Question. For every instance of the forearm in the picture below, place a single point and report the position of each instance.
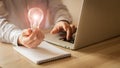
(9, 33)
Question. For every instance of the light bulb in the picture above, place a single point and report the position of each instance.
(35, 16)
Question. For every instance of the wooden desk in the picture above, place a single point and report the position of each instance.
(102, 55)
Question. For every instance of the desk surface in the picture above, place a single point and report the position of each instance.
(102, 55)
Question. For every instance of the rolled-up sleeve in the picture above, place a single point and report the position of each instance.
(58, 11)
(9, 33)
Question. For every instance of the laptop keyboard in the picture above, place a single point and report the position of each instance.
(63, 37)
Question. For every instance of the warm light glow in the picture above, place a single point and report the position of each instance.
(35, 16)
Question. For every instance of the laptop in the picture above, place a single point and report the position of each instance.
(99, 20)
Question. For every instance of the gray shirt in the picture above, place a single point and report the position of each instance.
(13, 16)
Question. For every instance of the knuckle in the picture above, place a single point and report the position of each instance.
(72, 26)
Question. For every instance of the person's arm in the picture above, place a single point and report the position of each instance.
(8, 32)
(60, 15)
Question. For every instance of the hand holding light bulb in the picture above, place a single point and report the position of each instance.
(31, 38)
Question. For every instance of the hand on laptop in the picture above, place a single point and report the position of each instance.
(31, 38)
(70, 29)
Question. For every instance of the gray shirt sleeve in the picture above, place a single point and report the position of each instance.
(9, 33)
(58, 11)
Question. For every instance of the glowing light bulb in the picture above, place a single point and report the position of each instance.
(35, 16)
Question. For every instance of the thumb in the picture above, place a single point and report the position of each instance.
(27, 32)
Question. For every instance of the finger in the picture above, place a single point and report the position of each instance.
(66, 27)
(27, 41)
(30, 43)
(40, 35)
(69, 33)
(73, 28)
(24, 43)
(33, 34)
(34, 44)
(55, 30)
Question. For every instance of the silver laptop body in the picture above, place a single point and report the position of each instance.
(99, 20)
